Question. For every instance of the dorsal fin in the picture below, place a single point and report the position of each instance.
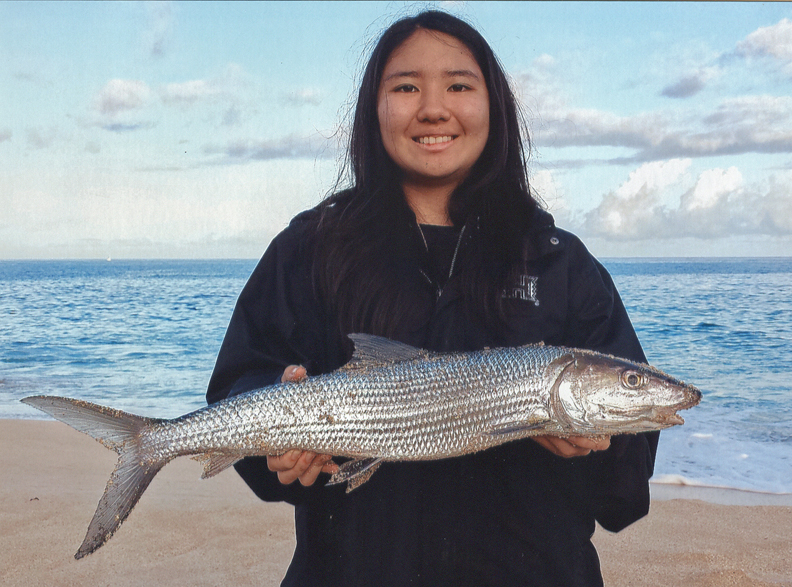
(373, 351)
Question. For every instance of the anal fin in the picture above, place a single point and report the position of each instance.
(215, 462)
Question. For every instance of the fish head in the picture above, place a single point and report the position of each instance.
(600, 394)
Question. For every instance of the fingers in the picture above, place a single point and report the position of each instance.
(592, 444)
(559, 446)
(573, 446)
(294, 373)
(304, 466)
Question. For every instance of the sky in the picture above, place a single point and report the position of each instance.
(198, 130)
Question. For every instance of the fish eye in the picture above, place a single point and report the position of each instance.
(632, 379)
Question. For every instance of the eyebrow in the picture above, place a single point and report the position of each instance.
(449, 73)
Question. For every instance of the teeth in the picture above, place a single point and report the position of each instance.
(434, 140)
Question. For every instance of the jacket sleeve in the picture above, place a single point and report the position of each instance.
(275, 323)
(616, 480)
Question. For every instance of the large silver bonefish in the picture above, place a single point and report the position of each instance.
(391, 402)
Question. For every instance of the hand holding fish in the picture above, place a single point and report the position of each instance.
(574, 446)
(303, 465)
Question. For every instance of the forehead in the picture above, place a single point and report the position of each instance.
(427, 50)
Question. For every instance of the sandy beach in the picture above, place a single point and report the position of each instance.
(188, 531)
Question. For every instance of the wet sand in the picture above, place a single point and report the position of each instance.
(188, 531)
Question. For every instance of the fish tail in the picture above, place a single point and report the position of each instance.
(121, 432)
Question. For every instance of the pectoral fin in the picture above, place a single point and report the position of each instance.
(508, 428)
(355, 473)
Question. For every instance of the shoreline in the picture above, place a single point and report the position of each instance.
(188, 531)
(661, 491)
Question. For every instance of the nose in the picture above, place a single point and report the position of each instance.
(433, 107)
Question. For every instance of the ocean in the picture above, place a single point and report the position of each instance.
(143, 336)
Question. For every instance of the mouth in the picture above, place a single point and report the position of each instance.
(667, 418)
(434, 140)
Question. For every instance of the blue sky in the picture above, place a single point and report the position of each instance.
(145, 129)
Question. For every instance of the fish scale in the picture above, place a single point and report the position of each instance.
(391, 402)
(420, 401)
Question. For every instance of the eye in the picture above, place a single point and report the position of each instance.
(458, 88)
(405, 88)
(632, 379)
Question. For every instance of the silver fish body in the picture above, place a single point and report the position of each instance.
(391, 402)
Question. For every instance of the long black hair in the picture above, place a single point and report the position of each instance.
(360, 232)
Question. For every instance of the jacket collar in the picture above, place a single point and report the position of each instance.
(542, 238)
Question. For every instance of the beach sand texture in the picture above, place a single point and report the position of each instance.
(187, 531)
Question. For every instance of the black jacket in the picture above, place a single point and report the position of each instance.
(512, 515)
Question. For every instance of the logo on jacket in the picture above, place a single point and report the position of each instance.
(523, 289)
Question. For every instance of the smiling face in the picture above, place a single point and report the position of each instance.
(433, 110)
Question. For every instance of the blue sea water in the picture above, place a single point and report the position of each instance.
(143, 336)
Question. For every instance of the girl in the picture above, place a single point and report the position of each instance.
(437, 243)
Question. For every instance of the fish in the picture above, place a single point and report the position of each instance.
(390, 402)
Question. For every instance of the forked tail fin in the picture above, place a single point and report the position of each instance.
(121, 432)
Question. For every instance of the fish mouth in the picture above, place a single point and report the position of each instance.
(655, 418)
(668, 416)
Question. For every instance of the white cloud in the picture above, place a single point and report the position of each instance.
(732, 125)
(190, 92)
(159, 27)
(637, 209)
(40, 138)
(654, 176)
(213, 212)
(754, 113)
(691, 84)
(120, 127)
(121, 95)
(120, 105)
(302, 97)
(717, 205)
(289, 147)
(538, 86)
(544, 186)
(230, 96)
(750, 124)
(232, 116)
(775, 41)
(624, 218)
(711, 186)
(232, 84)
